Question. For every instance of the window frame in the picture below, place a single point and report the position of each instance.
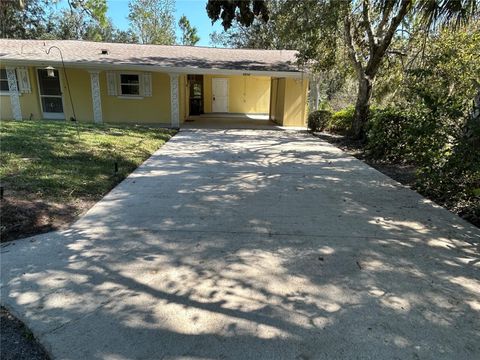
(50, 115)
(140, 85)
(7, 92)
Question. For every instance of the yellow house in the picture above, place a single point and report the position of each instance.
(147, 84)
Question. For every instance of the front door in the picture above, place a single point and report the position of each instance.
(220, 95)
(196, 94)
(50, 95)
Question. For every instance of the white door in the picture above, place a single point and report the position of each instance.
(219, 95)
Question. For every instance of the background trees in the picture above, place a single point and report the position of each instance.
(39, 19)
(153, 21)
(23, 22)
(367, 29)
(189, 34)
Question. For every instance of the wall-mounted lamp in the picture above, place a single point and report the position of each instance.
(50, 71)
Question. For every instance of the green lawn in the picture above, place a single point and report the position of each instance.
(48, 161)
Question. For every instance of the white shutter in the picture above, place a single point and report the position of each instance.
(23, 80)
(147, 84)
(111, 83)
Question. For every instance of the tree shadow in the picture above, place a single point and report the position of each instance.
(249, 244)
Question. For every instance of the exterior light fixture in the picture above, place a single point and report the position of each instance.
(50, 71)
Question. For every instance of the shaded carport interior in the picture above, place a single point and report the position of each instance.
(287, 106)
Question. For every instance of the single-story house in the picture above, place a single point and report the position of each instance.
(147, 84)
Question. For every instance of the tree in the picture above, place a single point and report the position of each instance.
(152, 21)
(31, 19)
(23, 22)
(189, 33)
(244, 12)
(368, 28)
(76, 25)
(273, 34)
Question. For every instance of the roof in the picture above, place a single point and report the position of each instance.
(162, 56)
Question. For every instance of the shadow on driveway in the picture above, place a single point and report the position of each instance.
(243, 244)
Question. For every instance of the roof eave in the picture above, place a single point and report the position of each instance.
(92, 65)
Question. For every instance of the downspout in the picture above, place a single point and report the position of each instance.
(304, 100)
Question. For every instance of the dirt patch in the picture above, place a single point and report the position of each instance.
(22, 217)
(17, 341)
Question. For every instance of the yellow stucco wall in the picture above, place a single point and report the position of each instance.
(277, 100)
(295, 109)
(288, 102)
(147, 110)
(154, 109)
(5, 108)
(284, 98)
(29, 102)
(80, 88)
(246, 94)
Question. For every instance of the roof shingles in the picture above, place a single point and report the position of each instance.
(75, 51)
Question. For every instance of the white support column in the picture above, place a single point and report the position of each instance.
(96, 98)
(174, 103)
(14, 95)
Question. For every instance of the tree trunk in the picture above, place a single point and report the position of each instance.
(362, 106)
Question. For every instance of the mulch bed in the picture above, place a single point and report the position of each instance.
(22, 217)
(17, 341)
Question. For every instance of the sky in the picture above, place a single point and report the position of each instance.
(194, 10)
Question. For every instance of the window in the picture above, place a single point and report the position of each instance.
(3, 81)
(130, 84)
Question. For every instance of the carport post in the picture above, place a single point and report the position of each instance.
(96, 96)
(174, 104)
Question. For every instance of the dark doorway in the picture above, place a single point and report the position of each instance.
(196, 94)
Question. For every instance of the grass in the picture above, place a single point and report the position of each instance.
(47, 161)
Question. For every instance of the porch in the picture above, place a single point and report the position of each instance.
(230, 121)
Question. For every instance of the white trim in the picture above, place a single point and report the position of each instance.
(119, 83)
(166, 69)
(49, 115)
(23, 80)
(7, 93)
(130, 97)
(111, 83)
(147, 84)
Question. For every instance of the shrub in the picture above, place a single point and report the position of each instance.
(317, 120)
(454, 180)
(341, 121)
(389, 134)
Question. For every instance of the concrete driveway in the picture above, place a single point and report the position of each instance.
(250, 244)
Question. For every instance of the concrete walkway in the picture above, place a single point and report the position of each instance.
(243, 244)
